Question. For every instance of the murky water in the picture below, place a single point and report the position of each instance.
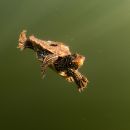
(100, 30)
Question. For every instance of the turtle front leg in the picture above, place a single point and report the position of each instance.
(47, 61)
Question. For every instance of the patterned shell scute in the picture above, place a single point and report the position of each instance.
(57, 48)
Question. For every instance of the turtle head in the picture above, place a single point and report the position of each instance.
(24, 42)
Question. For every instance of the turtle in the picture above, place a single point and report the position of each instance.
(57, 56)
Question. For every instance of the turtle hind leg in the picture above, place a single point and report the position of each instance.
(68, 78)
(79, 79)
(82, 83)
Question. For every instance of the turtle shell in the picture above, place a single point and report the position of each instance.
(32, 42)
(57, 48)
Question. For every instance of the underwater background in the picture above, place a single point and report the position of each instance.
(97, 29)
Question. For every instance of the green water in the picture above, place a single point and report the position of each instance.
(97, 29)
